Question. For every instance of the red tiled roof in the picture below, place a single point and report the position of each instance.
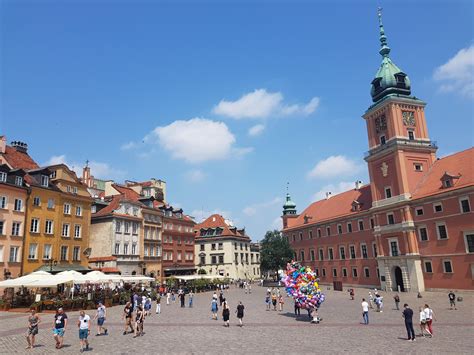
(113, 205)
(459, 165)
(337, 206)
(214, 221)
(19, 160)
(127, 192)
(103, 258)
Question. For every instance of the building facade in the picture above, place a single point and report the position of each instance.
(13, 197)
(224, 250)
(178, 242)
(412, 227)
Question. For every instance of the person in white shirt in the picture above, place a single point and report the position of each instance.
(365, 311)
(423, 328)
(429, 315)
(84, 324)
(371, 300)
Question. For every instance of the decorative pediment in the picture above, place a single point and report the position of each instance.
(449, 180)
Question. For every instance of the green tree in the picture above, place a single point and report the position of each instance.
(275, 252)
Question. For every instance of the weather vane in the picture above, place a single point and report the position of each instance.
(379, 11)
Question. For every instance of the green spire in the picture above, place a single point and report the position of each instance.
(289, 207)
(385, 50)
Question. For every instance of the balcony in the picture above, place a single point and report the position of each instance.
(391, 200)
(398, 227)
(401, 143)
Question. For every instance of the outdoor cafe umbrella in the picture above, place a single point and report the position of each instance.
(26, 280)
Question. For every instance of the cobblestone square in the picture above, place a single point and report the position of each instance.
(191, 330)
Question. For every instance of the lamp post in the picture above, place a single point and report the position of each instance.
(51, 263)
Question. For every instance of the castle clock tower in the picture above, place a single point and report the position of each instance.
(400, 149)
(400, 153)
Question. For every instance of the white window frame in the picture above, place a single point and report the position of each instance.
(3, 202)
(2, 228)
(366, 251)
(78, 210)
(3, 176)
(424, 266)
(61, 253)
(334, 272)
(344, 272)
(355, 252)
(16, 254)
(419, 233)
(68, 229)
(35, 222)
(356, 271)
(18, 202)
(49, 223)
(437, 230)
(388, 189)
(50, 203)
(321, 254)
(464, 198)
(16, 228)
(347, 227)
(45, 256)
(300, 234)
(418, 170)
(329, 253)
(444, 267)
(44, 180)
(438, 204)
(74, 248)
(310, 234)
(345, 255)
(419, 209)
(390, 240)
(18, 180)
(67, 208)
(465, 234)
(408, 134)
(375, 249)
(384, 138)
(368, 270)
(33, 256)
(328, 231)
(358, 225)
(77, 235)
(388, 221)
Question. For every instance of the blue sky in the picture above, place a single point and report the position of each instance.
(226, 101)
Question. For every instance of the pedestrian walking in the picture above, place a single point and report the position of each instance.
(371, 300)
(135, 301)
(214, 308)
(274, 301)
(452, 300)
(225, 313)
(168, 297)
(314, 316)
(139, 319)
(240, 313)
(268, 301)
(429, 315)
(423, 328)
(59, 327)
(352, 294)
(408, 316)
(365, 311)
(191, 297)
(182, 298)
(221, 297)
(281, 302)
(147, 307)
(84, 325)
(173, 297)
(127, 316)
(158, 304)
(100, 315)
(297, 309)
(396, 298)
(33, 322)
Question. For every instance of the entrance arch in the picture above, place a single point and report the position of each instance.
(398, 279)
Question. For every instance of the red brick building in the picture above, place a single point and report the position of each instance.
(177, 243)
(412, 227)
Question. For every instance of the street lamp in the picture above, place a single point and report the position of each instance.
(51, 263)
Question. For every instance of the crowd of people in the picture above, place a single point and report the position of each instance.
(136, 311)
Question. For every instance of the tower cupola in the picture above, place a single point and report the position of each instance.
(389, 79)
(289, 208)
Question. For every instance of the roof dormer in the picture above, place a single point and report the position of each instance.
(449, 180)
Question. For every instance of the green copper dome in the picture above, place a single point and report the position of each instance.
(389, 79)
(289, 207)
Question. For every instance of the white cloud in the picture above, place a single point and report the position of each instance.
(98, 169)
(334, 189)
(457, 74)
(256, 130)
(252, 210)
(195, 141)
(334, 166)
(195, 175)
(261, 104)
(128, 146)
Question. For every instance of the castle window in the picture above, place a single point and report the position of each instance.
(349, 227)
(428, 267)
(411, 135)
(418, 167)
(382, 140)
(464, 203)
(390, 218)
(442, 230)
(438, 207)
(447, 266)
(423, 234)
(388, 192)
(310, 234)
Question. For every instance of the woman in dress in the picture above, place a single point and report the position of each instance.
(33, 321)
(240, 312)
(225, 313)
(139, 318)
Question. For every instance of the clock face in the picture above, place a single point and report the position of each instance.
(380, 124)
(408, 118)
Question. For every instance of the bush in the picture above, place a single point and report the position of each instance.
(202, 272)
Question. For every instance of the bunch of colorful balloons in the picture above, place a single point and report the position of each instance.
(302, 284)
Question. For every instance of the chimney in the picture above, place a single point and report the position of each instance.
(328, 195)
(20, 146)
(3, 144)
(358, 184)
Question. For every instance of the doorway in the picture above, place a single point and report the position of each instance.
(399, 279)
